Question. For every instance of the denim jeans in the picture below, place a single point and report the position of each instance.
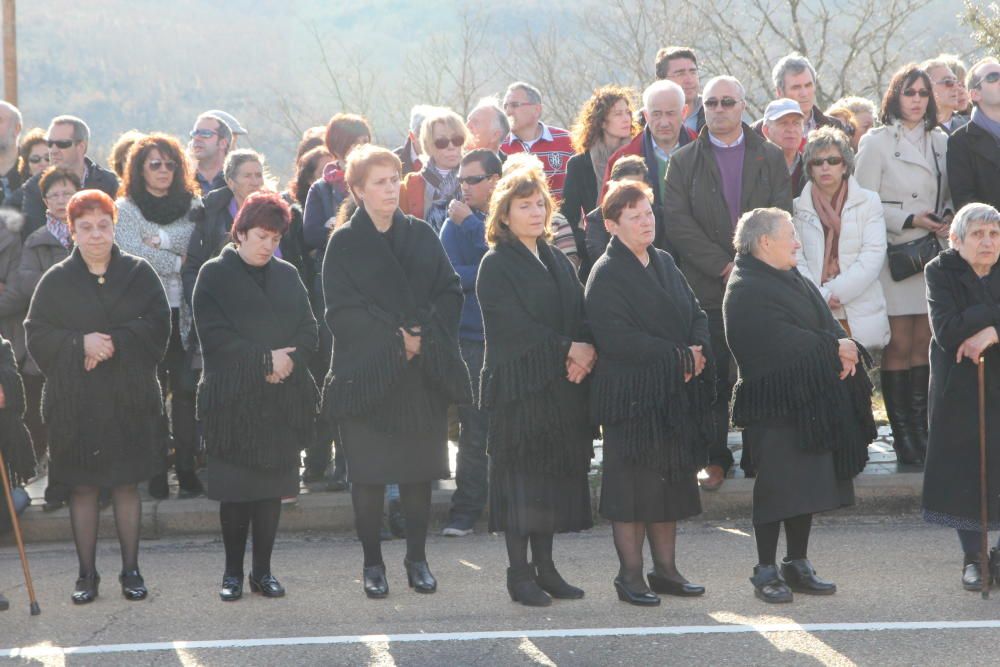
(472, 466)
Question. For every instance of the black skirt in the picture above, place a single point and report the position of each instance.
(231, 483)
(138, 462)
(522, 503)
(791, 481)
(634, 494)
(374, 457)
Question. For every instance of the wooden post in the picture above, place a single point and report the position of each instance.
(10, 51)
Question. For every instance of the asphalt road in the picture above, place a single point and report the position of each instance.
(888, 571)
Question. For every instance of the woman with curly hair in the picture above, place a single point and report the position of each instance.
(605, 123)
(33, 154)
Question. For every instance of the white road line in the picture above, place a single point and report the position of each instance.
(43, 650)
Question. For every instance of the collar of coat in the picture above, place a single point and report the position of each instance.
(528, 270)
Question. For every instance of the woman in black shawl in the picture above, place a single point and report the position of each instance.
(650, 394)
(393, 304)
(257, 399)
(97, 327)
(803, 399)
(534, 384)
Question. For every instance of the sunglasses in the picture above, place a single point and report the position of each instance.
(910, 92)
(156, 165)
(832, 161)
(947, 82)
(992, 77)
(60, 143)
(457, 141)
(35, 159)
(204, 133)
(472, 180)
(726, 102)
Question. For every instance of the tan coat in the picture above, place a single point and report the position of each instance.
(908, 184)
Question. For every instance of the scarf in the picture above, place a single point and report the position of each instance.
(334, 176)
(829, 215)
(442, 190)
(59, 229)
(163, 210)
(985, 122)
(601, 152)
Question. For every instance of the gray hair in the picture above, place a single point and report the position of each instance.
(417, 115)
(972, 213)
(500, 121)
(827, 137)
(724, 78)
(793, 63)
(755, 225)
(857, 105)
(14, 111)
(534, 95)
(237, 158)
(80, 130)
(224, 132)
(662, 86)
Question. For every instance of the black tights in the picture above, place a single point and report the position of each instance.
(629, 540)
(796, 536)
(236, 519)
(84, 516)
(517, 548)
(369, 501)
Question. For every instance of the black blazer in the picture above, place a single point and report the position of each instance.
(973, 166)
(579, 196)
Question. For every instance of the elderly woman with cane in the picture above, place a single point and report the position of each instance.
(963, 293)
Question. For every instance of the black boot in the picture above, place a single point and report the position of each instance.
(158, 487)
(920, 378)
(801, 578)
(549, 580)
(896, 393)
(768, 584)
(188, 484)
(522, 587)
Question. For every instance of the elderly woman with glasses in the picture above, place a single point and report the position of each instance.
(426, 194)
(963, 290)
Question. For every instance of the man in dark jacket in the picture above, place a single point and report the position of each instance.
(710, 183)
(795, 78)
(68, 138)
(974, 149)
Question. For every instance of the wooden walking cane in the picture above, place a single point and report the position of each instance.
(35, 609)
(984, 547)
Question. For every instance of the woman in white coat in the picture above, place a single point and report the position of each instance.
(842, 234)
(904, 162)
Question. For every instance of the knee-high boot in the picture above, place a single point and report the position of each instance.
(896, 391)
(920, 377)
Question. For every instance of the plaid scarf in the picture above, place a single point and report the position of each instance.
(60, 230)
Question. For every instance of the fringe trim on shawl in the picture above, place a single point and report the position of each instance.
(514, 379)
(15, 441)
(534, 435)
(444, 367)
(352, 396)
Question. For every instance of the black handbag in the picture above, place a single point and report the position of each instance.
(909, 259)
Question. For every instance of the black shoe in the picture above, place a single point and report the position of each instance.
(188, 484)
(801, 578)
(646, 598)
(419, 576)
(133, 585)
(920, 377)
(397, 523)
(4, 605)
(86, 589)
(972, 578)
(266, 585)
(232, 588)
(768, 584)
(661, 584)
(338, 480)
(374, 581)
(522, 587)
(158, 487)
(897, 394)
(550, 581)
(53, 505)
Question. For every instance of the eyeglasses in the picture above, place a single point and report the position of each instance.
(473, 180)
(457, 141)
(947, 82)
(59, 196)
(204, 133)
(726, 102)
(910, 92)
(35, 159)
(156, 165)
(508, 106)
(833, 161)
(61, 143)
(992, 77)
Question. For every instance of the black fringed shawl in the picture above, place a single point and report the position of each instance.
(132, 307)
(644, 327)
(784, 339)
(373, 285)
(539, 420)
(248, 421)
(15, 443)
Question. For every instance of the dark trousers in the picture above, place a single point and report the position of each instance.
(718, 451)
(54, 493)
(320, 450)
(176, 384)
(472, 466)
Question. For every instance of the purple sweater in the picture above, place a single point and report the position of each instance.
(730, 161)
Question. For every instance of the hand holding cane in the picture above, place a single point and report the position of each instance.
(984, 555)
(35, 609)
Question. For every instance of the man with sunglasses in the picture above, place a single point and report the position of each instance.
(945, 86)
(528, 134)
(68, 138)
(795, 78)
(974, 149)
(211, 140)
(727, 171)
(463, 236)
(10, 141)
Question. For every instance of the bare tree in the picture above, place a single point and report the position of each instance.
(985, 24)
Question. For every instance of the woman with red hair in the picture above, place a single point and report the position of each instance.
(97, 327)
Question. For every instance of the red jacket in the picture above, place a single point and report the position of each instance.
(554, 148)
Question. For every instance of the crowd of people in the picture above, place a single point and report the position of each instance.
(662, 270)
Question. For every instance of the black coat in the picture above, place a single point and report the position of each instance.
(212, 225)
(960, 306)
(15, 442)
(121, 394)
(580, 196)
(532, 312)
(643, 325)
(973, 166)
(248, 421)
(293, 244)
(98, 178)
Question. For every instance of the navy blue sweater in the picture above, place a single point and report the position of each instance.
(466, 245)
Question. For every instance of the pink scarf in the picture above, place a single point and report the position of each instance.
(829, 216)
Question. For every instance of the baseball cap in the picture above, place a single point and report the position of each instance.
(777, 109)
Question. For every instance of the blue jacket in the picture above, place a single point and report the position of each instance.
(466, 245)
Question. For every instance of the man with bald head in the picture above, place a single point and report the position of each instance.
(711, 182)
(10, 139)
